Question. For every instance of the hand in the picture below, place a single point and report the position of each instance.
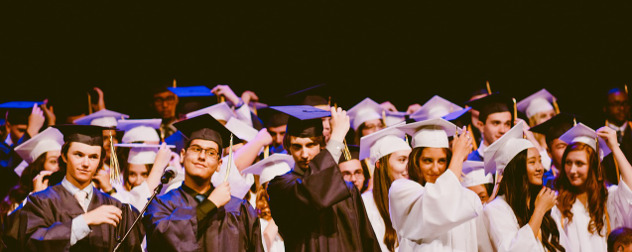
(388, 106)
(224, 90)
(39, 182)
(162, 157)
(221, 195)
(413, 108)
(36, 121)
(545, 200)
(461, 145)
(100, 100)
(102, 179)
(107, 214)
(339, 124)
(175, 161)
(248, 96)
(264, 137)
(48, 113)
(610, 135)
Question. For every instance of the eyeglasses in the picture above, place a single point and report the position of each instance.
(197, 150)
(168, 99)
(347, 175)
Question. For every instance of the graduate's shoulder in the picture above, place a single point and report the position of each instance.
(237, 205)
(50, 193)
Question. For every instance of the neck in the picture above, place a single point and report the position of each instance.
(198, 186)
(582, 197)
(76, 183)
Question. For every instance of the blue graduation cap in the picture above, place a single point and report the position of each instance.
(20, 104)
(304, 121)
(456, 114)
(18, 111)
(192, 91)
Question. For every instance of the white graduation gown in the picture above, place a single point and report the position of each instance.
(375, 218)
(437, 217)
(575, 233)
(504, 231)
(277, 245)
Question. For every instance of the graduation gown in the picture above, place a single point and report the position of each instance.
(504, 231)
(437, 217)
(46, 221)
(277, 245)
(575, 235)
(316, 210)
(172, 225)
(376, 219)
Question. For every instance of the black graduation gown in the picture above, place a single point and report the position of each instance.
(626, 148)
(172, 225)
(47, 220)
(317, 210)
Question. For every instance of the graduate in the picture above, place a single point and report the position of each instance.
(494, 119)
(432, 211)
(475, 179)
(73, 215)
(388, 152)
(353, 169)
(519, 218)
(616, 110)
(315, 209)
(366, 118)
(276, 123)
(198, 216)
(586, 210)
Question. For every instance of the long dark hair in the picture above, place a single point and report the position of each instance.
(414, 171)
(594, 188)
(381, 184)
(521, 195)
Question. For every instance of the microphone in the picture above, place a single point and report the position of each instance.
(167, 176)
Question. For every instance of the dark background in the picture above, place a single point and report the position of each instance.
(404, 52)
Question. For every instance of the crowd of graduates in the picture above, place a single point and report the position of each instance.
(215, 171)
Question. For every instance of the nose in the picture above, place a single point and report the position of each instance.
(304, 153)
(85, 162)
(278, 139)
(202, 155)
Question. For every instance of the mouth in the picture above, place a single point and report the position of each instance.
(199, 165)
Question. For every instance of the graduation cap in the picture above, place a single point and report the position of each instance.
(540, 101)
(204, 127)
(394, 117)
(305, 121)
(554, 127)
(498, 154)
(474, 174)
(381, 143)
(272, 118)
(436, 107)
(494, 103)
(313, 96)
(104, 118)
(456, 115)
(584, 134)
(241, 130)
(364, 111)
(432, 133)
(220, 111)
(48, 140)
(139, 130)
(192, 91)
(267, 169)
(17, 112)
(86, 134)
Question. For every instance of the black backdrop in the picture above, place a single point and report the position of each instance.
(404, 52)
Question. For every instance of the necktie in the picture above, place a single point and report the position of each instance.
(81, 198)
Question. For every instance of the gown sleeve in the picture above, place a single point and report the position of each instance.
(425, 213)
(504, 231)
(620, 205)
(42, 233)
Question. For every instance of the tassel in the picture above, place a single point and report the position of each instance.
(230, 158)
(115, 172)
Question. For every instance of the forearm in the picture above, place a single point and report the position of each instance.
(456, 164)
(246, 155)
(536, 221)
(153, 180)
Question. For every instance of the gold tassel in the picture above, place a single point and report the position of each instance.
(266, 151)
(625, 86)
(515, 110)
(230, 158)
(489, 89)
(221, 99)
(174, 83)
(555, 106)
(115, 172)
(474, 144)
(89, 103)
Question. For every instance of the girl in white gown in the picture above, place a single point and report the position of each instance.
(432, 211)
(587, 211)
(519, 218)
(389, 152)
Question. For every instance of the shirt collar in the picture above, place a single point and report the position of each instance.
(481, 148)
(8, 140)
(193, 193)
(618, 128)
(72, 189)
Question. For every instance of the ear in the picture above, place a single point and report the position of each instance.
(378, 164)
(480, 124)
(63, 157)
(182, 152)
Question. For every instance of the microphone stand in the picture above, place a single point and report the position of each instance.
(140, 215)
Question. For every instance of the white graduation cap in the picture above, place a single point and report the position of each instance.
(366, 110)
(436, 107)
(48, 140)
(538, 102)
(104, 118)
(584, 134)
(432, 133)
(381, 143)
(267, 169)
(474, 174)
(497, 155)
(240, 129)
(220, 111)
(140, 130)
(141, 153)
(393, 118)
